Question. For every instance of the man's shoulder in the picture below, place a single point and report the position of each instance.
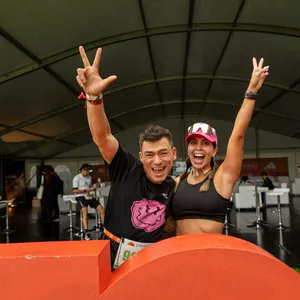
(134, 176)
(131, 157)
(136, 168)
(170, 180)
(77, 177)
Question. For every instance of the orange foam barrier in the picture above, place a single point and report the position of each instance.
(54, 270)
(186, 267)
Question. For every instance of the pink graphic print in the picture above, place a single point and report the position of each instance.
(148, 215)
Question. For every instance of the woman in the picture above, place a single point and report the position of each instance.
(203, 194)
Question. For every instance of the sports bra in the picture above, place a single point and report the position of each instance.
(189, 203)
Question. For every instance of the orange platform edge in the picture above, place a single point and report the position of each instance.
(186, 267)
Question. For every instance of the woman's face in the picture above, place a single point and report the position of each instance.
(200, 152)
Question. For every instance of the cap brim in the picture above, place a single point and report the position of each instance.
(200, 134)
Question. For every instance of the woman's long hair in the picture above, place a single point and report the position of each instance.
(205, 186)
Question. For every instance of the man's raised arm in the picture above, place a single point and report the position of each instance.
(93, 85)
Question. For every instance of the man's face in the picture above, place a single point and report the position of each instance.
(157, 158)
(85, 172)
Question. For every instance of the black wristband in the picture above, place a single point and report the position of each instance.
(251, 95)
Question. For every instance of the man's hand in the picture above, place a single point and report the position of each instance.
(259, 75)
(88, 77)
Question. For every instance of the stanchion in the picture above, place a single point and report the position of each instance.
(279, 192)
(259, 223)
(71, 199)
(81, 232)
(7, 230)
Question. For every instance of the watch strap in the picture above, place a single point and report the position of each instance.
(251, 95)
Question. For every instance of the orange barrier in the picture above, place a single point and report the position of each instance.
(186, 267)
(54, 270)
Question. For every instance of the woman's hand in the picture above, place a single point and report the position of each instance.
(259, 75)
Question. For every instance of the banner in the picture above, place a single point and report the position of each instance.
(256, 166)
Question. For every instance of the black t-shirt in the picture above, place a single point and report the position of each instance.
(52, 186)
(268, 183)
(137, 208)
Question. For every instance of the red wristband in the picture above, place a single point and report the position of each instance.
(83, 96)
(95, 102)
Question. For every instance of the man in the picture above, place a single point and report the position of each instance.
(59, 187)
(82, 185)
(141, 189)
(52, 188)
(267, 181)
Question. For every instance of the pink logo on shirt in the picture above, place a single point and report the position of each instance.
(148, 215)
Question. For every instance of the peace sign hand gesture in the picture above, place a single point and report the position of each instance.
(259, 75)
(88, 77)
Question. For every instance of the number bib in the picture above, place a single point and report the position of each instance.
(126, 249)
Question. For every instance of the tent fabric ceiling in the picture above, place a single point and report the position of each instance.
(173, 58)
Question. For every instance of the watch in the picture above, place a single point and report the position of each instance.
(251, 95)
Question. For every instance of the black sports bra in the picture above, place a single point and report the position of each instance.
(189, 203)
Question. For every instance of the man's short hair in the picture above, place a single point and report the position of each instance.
(264, 174)
(85, 167)
(154, 133)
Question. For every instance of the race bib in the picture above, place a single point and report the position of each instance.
(126, 249)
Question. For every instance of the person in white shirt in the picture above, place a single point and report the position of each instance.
(82, 186)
